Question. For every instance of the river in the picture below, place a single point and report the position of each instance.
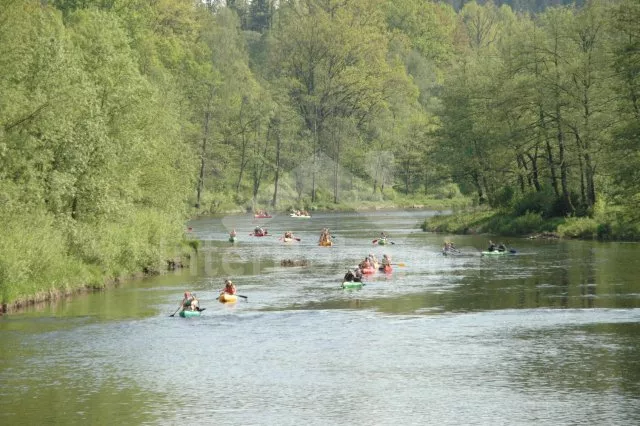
(550, 335)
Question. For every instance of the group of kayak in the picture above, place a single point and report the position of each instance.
(190, 305)
(369, 266)
(262, 214)
(300, 213)
(493, 249)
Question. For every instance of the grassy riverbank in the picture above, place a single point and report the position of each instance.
(607, 224)
(44, 257)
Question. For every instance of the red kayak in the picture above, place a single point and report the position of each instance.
(370, 270)
(264, 234)
(387, 269)
(262, 216)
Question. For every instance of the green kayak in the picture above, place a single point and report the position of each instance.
(382, 241)
(352, 284)
(498, 252)
(232, 239)
(189, 314)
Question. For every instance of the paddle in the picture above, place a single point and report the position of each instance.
(402, 265)
(173, 314)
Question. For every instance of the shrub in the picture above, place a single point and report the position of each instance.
(543, 202)
(579, 227)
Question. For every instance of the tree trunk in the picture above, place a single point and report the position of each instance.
(336, 170)
(535, 173)
(243, 150)
(522, 165)
(203, 154)
(564, 168)
(277, 177)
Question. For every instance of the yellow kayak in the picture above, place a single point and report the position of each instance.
(227, 298)
(326, 243)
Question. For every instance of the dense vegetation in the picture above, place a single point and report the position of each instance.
(118, 117)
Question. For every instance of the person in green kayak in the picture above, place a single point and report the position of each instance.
(233, 233)
(492, 246)
(189, 302)
(355, 276)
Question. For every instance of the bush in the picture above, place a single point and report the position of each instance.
(543, 202)
(446, 191)
(579, 227)
(34, 259)
(529, 223)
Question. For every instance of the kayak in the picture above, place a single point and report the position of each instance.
(352, 284)
(227, 298)
(288, 240)
(326, 243)
(262, 216)
(232, 239)
(264, 234)
(299, 215)
(370, 270)
(382, 241)
(497, 253)
(189, 314)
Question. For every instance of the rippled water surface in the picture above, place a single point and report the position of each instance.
(549, 335)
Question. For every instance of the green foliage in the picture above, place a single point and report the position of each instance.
(580, 227)
(470, 222)
(34, 260)
(529, 223)
(115, 116)
(543, 203)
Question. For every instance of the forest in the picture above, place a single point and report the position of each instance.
(119, 119)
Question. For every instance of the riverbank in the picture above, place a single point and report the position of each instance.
(54, 294)
(487, 221)
(391, 202)
(46, 257)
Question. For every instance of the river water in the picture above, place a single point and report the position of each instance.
(550, 335)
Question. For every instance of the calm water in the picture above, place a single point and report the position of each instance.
(548, 336)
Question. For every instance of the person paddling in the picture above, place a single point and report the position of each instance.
(229, 287)
(325, 237)
(189, 302)
(355, 276)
